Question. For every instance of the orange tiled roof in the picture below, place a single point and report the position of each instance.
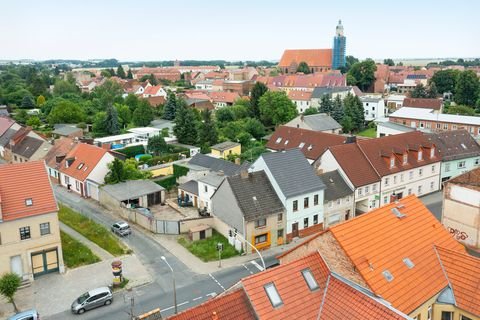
(152, 89)
(223, 96)
(435, 104)
(300, 95)
(298, 301)
(233, 305)
(21, 181)
(60, 147)
(379, 241)
(463, 273)
(314, 142)
(5, 123)
(84, 153)
(313, 57)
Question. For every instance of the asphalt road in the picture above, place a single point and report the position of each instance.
(434, 203)
(192, 288)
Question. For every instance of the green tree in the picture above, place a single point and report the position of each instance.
(129, 74)
(303, 67)
(337, 111)
(310, 111)
(112, 125)
(9, 284)
(467, 88)
(326, 104)
(276, 108)
(170, 106)
(207, 134)
(388, 62)
(445, 80)
(157, 145)
(419, 92)
(116, 173)
(432, 91)
(34, 122)
(255, 128)
(461, 110)
(108, 93)
(347, 124)
(143, 115)
(239, 111)
(186, 123)
(99, 124)
(354, 112)
(121, 72)
(363, 74)
(40, 100)
(66, 112)
(258, 91)
(62, 87)
(132, 102)
(124, 114)
(27, 102)
(224, 115)
(21, 116)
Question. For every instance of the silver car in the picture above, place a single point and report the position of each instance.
(121, 228)
(92, 299)
(26, 315)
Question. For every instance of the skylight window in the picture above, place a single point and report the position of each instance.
(301, 145)
(463, 146)
(80, 166)
(286, 142)
(310, 147)
(387, 275)
(408, 263)
(309, 279)
(278, 140)
(273, 295)
(29, 202)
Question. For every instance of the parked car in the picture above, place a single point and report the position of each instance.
(31, 314)
(121, 228)
(145, 211)
(92, 299)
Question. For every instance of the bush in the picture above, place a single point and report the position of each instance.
(168, 182)
(179, 171)
(206, 249)
(131, 152)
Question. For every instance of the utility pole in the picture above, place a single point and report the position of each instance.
(235, 233)
(219, 249)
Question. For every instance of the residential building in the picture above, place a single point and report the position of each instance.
(299, 189)
(332, 91)
(384, 169)
(84, 169)
(26, 145)
(394, 101)
(458, 150)
(56, 155)
(436, 122)
(225, 149)
(207, 186)
(30, 236)
(311, 143)
(135, 136)
(248, 204)
(387, 128)
(338, 204)
(68, 131)
(339, 47)
(154, 91)
(461, 208)
(435, 104)
(242, 87)
(172, 74)
(304, 82)
(321, 122)
(403, 254)
(306, 288)
(222, 99)
(301, 99)
(8, 128)
(374, 107)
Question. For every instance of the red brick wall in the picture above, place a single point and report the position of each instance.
(433, 125)
(306, 232)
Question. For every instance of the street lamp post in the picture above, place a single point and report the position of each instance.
(173, 277)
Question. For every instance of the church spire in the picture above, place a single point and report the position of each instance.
(339, 30)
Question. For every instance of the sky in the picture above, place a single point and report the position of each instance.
(153, 30)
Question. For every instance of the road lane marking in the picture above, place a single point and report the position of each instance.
(213, 278)
(212, 294)
(256, 265)
(198, 298)
(247, 269)
(178, 305)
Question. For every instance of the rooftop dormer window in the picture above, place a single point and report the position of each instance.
(278, 140)
(392, 162)
(405, 159)
(29, 202)
(420, 155)
(432, 152)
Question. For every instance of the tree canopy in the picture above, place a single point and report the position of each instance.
(157, 145)
(303, 67)
(143, 114)
(362, 74)
(276, 108)
(186, 124)
(9, 284)
(257, 92)
(467, 88)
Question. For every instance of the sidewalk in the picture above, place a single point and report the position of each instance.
(170, 243)
(97, 250)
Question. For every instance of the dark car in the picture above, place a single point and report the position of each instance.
(121, 228)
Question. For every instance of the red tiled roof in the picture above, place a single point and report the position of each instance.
(300, 95)
(152, 89)
(21, 181)
(298, 301)
(351, 159)
(379, 241)
(84, 153)
(233, 305)
(155, 101)
(469, 179)
(5, 123)
(435, 104)
(313, 57)
(223, 96)
(463, 273)
(60, 147)
(314, 142)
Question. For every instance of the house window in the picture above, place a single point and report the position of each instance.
(432, 185)
(476, 162)
(447, 315)
(279, 233)
(315, 219)
(420, 172)
(445, 126)
(433, 169)
(367, 189)
(28, 202)
(280, 217)
(360, 191)
(386, 181)
(447, 167)
(405, 159)
(410, 191)
(261, 239)
(44, 228)
(295, 205)
(305, 223)
(315, 200)
(278, 140)
(205, 188)
(338, 201)
(454, 127)
(422, 125)
(401, 177)
(394, 179)
(410, 175)
(419, 190)
(273, 295)
(385, 199)
(392, 162)
(465, 318)
(24, 233)
(374, 187)
(438, 125)
(461, 165)
(15, 157)
(77, 185)
(420, 155)
(305, 202)
(432, 152)
(260, 223)
(429, 125)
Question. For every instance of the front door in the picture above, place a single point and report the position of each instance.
(45, 261)
(16, 265)
(202, 234)
(399, 195)
(295, 229)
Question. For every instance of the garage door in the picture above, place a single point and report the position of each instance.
(44, 262)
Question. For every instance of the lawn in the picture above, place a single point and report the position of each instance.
(91, 230)
(75, 254)
(370, 132)
(206, 249)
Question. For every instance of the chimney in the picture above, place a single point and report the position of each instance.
(220, 173)
(237, 161)
(244, 174)
(214, 316)
(351, 139)
(59, 158)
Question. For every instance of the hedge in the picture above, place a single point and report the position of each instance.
(168, 182)
(131, 152)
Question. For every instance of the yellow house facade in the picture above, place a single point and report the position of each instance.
(225, 149)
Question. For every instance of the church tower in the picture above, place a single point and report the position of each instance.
(339, 47)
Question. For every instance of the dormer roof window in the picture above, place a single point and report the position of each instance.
(405, 158)
(432, 152)
(392, 162)
(420, 155)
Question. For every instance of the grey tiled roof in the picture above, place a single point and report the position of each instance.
(319, 92)
(66, 130)
(5, 138)
(215, 164)
(213, 178)
(190, 186)
(454, 145)
(337, 188)
(321, 122)
(292, 172)
(255, 195)
(27, 147)
(225, 145)
(132, 189)
(395, 126)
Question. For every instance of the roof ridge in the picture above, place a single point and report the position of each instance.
(444, 273)
(324, 296)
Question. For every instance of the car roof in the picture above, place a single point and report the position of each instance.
(22, 314)
(98, 290)
(122, 223)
